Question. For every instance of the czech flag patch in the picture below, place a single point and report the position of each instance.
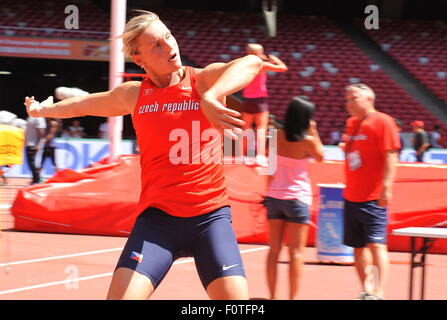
(136, 256)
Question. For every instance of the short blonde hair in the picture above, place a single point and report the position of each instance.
(255, 48)
(134, 27)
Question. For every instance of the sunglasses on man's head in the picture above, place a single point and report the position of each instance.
(358, 85)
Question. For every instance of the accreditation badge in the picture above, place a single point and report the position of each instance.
(354, 160)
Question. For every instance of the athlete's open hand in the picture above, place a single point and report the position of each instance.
(223, 118)
(33, 106)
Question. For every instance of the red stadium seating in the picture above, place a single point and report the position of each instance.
(301, 42)
(47, 19)
(420, 47)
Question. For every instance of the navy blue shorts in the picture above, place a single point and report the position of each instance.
(364, 222)
(158, 239)
(255, 105)
(289, 210)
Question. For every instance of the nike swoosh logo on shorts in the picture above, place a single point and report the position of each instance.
(224, 268)
(186, 88)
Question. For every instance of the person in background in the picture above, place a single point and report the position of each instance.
(289, 195)
(421, 142)
(49, 148)
(103, 130)
(436, 137)
(255, 108)
(336, 135)
(371, 147)
(2, 174)
(75, 130)
(402, 141)
(35, 131)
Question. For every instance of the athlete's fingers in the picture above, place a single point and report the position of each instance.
(31, 106)
(48, 101)
(231, 133)
(29, 101)
(229, 130)
(231, 112)
(214, 110)
(225, 110)
(232, 120)
(225, 125)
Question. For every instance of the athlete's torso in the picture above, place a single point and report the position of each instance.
(177, 176)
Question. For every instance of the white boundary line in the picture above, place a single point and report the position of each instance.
(49, 284)
(60, 257)
(102, 275)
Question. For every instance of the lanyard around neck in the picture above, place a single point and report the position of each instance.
(351, 140)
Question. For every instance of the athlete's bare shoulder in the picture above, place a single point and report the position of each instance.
(197, 70)
(197, 73)
(127, 93)
(130, 85)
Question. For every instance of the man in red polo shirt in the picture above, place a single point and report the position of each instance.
(371, 145)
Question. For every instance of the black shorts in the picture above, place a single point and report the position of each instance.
(158, 239)
(255, 105)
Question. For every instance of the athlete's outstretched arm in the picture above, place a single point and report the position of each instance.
(218, 80)
(116, 102)
(274, 64)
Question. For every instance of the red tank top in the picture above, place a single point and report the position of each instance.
(179, 173)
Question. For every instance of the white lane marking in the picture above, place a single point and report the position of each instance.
(44, 221)
(103, 275)
(60, 257)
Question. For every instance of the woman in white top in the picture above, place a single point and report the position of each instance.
(289, 194)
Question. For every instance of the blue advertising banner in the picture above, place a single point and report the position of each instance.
(70, 153)
(434, 156)
(330, 247)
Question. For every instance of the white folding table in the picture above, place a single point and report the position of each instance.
(428, 235)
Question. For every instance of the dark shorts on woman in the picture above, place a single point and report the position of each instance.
(255, 105)
(291, 210)
(158, 239)
(364, 222)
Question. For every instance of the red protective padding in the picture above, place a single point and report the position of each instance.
(419, 200)
(102, 199)
(99, 200)
(246, 189)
